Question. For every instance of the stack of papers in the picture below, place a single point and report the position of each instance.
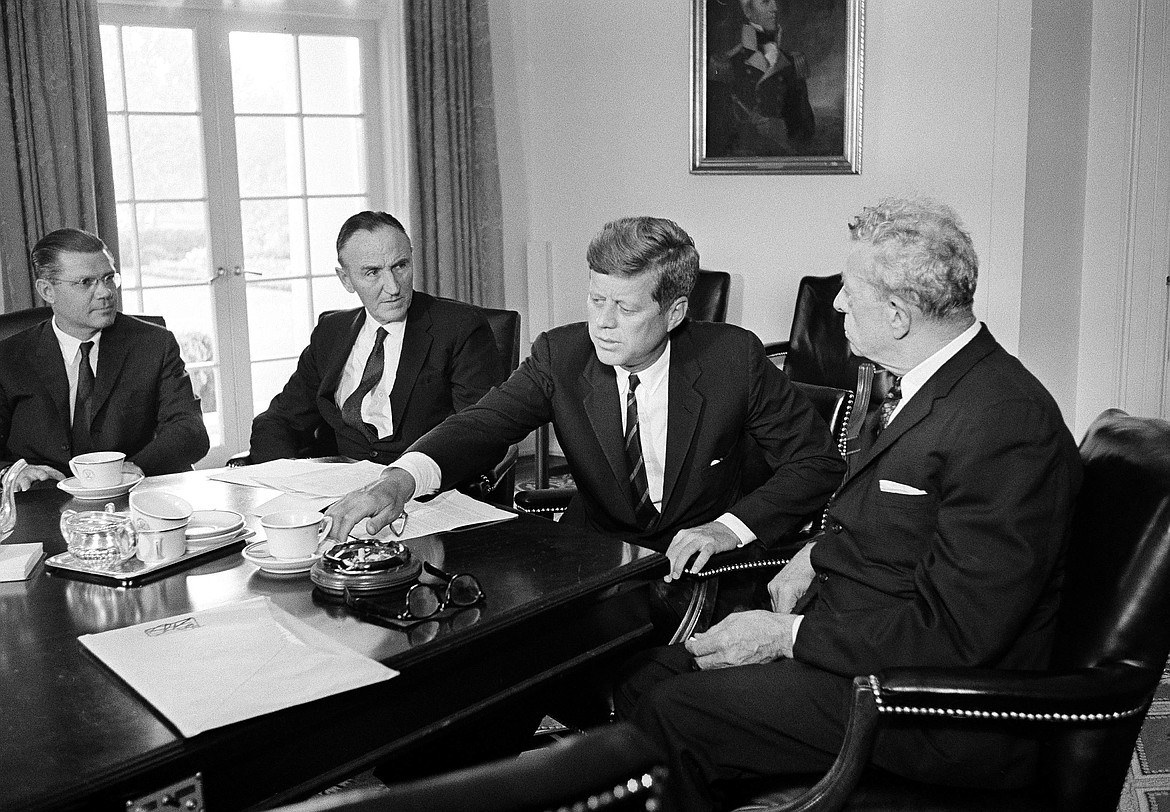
(17, 561)
(210, 668)
(308, 485)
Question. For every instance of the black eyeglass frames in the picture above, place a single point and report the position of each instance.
(424, 601)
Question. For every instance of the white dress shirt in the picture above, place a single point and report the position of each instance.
(71, 354)
(376, 409)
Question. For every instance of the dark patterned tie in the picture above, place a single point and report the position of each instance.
(889, 403)
(82, 442)
(639, 489)
(351, 410)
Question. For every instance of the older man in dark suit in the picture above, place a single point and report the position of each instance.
(655, 414)
(943, 547)
(91, 378)
(376, 378)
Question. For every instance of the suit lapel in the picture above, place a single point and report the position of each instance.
(602, 409)
(111, 359)
(50, 369)
(339, 353)
(416, 344)
(684, 407)
(939, 386)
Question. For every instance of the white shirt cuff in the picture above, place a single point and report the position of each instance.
(426, 473)
(735, 525)
(796, 627)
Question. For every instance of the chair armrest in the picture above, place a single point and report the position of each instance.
(777, 352)
(545, 501)
(1103, 693)
(1086, 696)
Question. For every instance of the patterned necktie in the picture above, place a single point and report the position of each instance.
(639, 489)
(81, 416)
(889, 403)
(351, 410)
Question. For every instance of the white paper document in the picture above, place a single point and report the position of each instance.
(17, 561)
(447, 511)
(303, 476)
(213, 667)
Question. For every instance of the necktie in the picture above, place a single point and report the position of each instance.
(81, 416)
(351, 410)
(639, 489)
(889, 403)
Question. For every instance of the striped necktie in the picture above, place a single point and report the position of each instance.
(351, 410)
(639, 489)
(889, 403)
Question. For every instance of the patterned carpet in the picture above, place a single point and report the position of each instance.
(1147, 789)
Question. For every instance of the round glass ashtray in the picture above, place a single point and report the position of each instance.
(365, 567)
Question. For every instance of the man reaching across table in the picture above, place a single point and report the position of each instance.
(654, 412)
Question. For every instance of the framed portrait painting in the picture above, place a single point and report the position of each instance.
(777, 86)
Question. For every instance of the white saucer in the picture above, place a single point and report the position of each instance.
(207, 526)
(257, 553)
(73, 486)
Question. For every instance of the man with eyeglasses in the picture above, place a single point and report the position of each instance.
(91, 378)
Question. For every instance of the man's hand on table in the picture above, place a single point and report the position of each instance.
(743, 638)
(36, 473)
(378, 503)
(699, 543)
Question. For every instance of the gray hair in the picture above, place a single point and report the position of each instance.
(635, 245)
(367, 221)
(921, 253)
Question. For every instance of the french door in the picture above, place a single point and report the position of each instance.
(240, 143)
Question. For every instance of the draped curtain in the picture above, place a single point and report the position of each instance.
(55, 165)
(458, 239)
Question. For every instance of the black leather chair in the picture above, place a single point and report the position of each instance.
(12, 323)
(613, 768)
(1113, 639)
(707, 302)
(495, 485)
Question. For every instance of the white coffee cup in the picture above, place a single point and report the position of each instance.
(159, 510)
(294, 533)
(98, 469)
(155, 546)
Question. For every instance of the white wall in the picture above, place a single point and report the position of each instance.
(593, 115)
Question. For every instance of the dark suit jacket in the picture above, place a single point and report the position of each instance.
(449, 360)
(143, 404)
(722, 389)
(967, 573)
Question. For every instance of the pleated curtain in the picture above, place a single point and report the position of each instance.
(458, 237)
(55, 166)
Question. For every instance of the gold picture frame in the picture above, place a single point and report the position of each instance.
(782, 103)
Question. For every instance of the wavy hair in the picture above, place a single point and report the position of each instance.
(632, 246)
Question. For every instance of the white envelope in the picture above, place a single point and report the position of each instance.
(210, 668)
(890, 486)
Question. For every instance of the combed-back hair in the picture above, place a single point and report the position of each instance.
(366, 221)
(921, 253)
(636, 245)
(46, 254)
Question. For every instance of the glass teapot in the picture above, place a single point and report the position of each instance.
(101, 539)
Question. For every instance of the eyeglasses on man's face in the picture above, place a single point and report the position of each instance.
(112, 280)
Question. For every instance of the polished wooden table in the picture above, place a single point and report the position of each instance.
(75, 737)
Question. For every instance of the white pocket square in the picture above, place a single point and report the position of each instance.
(890, 486)
(713, 463)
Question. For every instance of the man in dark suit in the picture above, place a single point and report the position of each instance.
(376, 378)
(943, 547)
(91, 378)
(654, 412)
